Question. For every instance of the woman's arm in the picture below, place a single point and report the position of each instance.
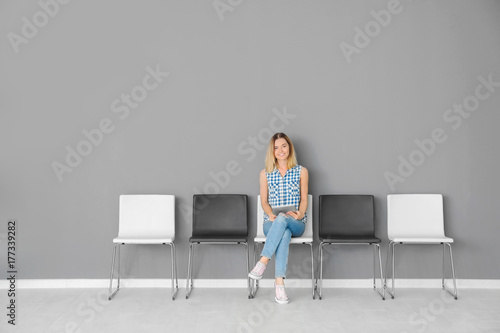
(304, 190)
(263, 196)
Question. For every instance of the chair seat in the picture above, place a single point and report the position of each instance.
(143, 240)
(351, 240)
(300, 240)
(423, 240)
(220, 239)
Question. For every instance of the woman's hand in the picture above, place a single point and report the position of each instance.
(272, 217)
(296, 215)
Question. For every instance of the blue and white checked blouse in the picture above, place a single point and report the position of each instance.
(284, 190)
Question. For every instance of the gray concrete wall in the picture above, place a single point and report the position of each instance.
(379, 97)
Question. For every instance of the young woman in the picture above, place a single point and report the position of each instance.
(282, 182)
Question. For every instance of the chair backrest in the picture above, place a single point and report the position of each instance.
(308, 232)
(415, 215)
(148, 215)
(220, 215)
(346, 216)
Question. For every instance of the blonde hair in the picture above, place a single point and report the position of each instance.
(271, 163)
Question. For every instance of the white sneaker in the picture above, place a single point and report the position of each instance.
(257, 271)
(281, 297)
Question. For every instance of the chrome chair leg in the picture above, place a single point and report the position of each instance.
(175, 288)
(454, 293)
(390, 257)
(119, 264)
(442, 277)
(393, 270)
(112, 271)
(312, 273)
(250, 296)
(254, 283)
(381, 273)
(116, 251)
(111, 294)
(387, 264)
(189, 280)
(258, 250)
(376, 249)
(320, 270)
(175, 266)
(374, 266)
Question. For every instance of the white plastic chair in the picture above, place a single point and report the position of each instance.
(306, 238)
(145, 219)
(417, 219)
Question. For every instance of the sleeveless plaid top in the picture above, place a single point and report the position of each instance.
(284, 190)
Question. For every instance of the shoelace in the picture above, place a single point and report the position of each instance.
(259, 268)
(281, 292)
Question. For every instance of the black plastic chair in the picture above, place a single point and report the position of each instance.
(218, 219)
(348, 220)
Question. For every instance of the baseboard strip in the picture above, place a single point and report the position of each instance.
(242, 283)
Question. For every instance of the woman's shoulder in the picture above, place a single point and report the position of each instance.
(299, 167)
(263, 173)
(301, 170)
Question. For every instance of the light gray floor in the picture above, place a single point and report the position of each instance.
(229, 310)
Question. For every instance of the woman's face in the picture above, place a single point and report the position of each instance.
(281, 149)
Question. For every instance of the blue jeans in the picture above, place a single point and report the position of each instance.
(278, 238)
